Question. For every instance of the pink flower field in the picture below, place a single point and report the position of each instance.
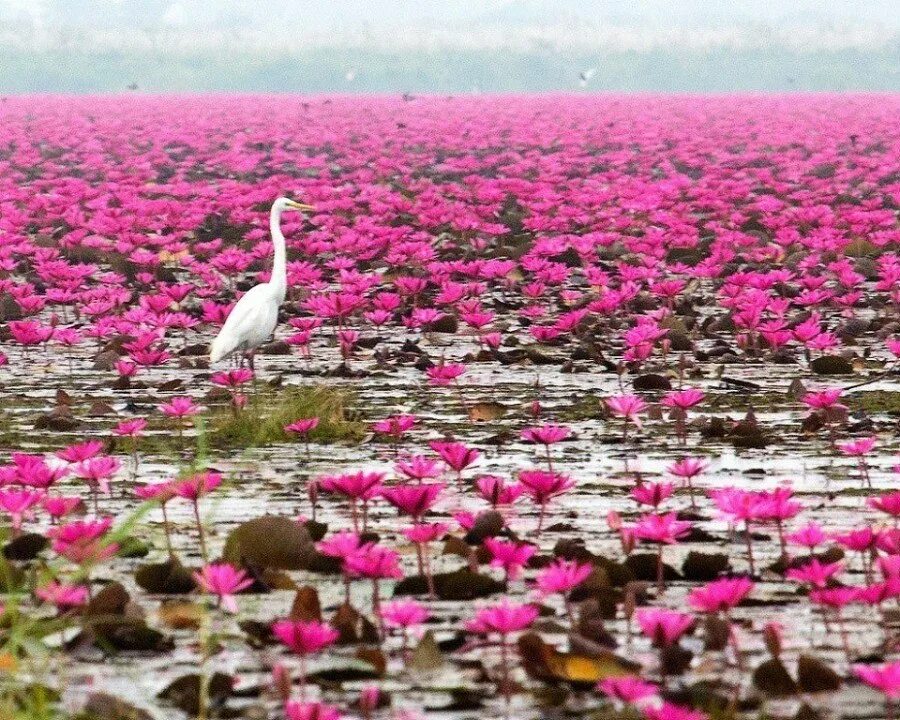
(541, 406)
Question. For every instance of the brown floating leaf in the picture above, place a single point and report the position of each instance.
(807, 712)
(462, 700)
(544, 662)
(181, 615)
(258, 633)
(105, 360)
(59, 419)
(102, 706)
(111, 600)
(166, 578)
(455, 545)
(675, 659)
(316, 529)
(773, 679)
(100, 409)
(796, 389)
(488, 524)
(25, 547)
(353, 627)
(269, 580)
(269, 542)
(465, 585)
(306, 605)
(643, 567)
(427, 656)
(374, 657)
(461, 584)
(700, 566)
(716, 633)
(651, 381)
(486, 411)
(184, 693)
(813, 675)
(126, 634)
(831, 365)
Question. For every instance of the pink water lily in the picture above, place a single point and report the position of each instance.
(629, 408)
(490, 290)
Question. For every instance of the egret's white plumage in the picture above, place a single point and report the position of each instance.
(253, 319)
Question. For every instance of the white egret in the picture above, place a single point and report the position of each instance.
(252, 321)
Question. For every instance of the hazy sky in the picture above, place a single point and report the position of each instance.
(379, 45)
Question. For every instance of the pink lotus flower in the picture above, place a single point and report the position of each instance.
(192, 489)
(662, 529)
(418, 467)
(542, 486)
(358, 487)
(374, 562)
(502, 619)
(627, 689)
(668, 711)
(423, 533)
(497, 491)
(340, 545)
(180, 407)
(444, 374)
(98, 471)
(720, 595)
(83, 542)
(231, 378)
(130, 428)
(889, 503)
(545, 434)
(510, 556)
(58, 506)
(197, 485)
(683, 399)
(652, 493)
(223, 580)
(663, 627)
(815, 573)
(300, 710)
(824, 399)
(396, 425)
(413, 500)
(457, 456)
(304, 637)
(627, 407)
(404, 613)
(859, 447)
(19, 504)
(885, 678)
(562, 577)
(63, 596)
(303, 426)
(810, 535)
(33, 471)
(80, 452)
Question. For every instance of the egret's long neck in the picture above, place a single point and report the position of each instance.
(279, 265)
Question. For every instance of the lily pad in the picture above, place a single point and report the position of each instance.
(270, 542)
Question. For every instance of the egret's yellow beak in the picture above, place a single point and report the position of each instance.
(300, 206)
